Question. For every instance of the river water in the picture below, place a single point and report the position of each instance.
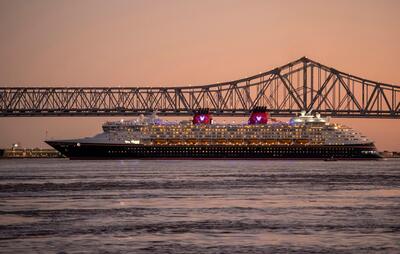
(143, 206)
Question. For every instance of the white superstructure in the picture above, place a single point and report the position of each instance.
(304, 129)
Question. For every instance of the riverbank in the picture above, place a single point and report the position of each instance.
(21, 153)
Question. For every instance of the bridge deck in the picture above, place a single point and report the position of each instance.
(300, 85)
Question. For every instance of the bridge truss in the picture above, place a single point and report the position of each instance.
(303, 84)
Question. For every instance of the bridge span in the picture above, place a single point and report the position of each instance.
(303, 84)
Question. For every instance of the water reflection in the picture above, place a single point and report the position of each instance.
(199, 206)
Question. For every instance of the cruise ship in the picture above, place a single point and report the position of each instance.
(305, 136)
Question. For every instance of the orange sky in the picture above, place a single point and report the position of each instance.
(148, 42)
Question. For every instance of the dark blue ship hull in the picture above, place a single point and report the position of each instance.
(74, 150)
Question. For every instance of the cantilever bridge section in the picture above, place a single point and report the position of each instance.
(303, 84)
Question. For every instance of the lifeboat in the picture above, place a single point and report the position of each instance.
(301, 141)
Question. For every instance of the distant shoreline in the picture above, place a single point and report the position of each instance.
(31, 153)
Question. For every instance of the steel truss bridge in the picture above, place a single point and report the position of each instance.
(303, 84)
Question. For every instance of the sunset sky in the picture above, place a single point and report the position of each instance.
(159, 43)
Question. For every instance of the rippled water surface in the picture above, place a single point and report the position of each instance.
(199, 206)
